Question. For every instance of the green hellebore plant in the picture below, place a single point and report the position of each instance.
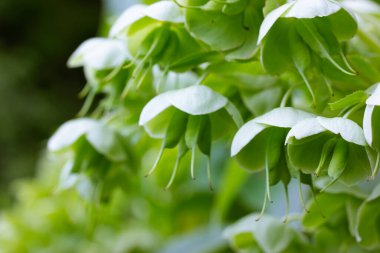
(246, 235)
(367, 226)
(227, 26)
(183, 117)
(298, 35)
(96, 153)
(336, 145)
(155, 34)
(102, 60)
(371, 123)
(259, 145)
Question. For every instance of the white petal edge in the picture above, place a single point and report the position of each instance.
(270, 19)
(128, 17)
(154, 107)
(367, 123)
(196, 100)
(312, 8)
(374, 99)
(69, 132)
(244, 135)
(165, 11)
(305, 128)
(348, 129)
(285, 117)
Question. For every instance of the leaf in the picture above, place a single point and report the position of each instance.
(69, 133)
(275, 56)
(196, 100)
(99, 53)
(265, 232)
(338, 160)
(176, 129)
(165, 11)
(343, 24)
(351, 99)
(128, 17)
(205, 136)
(220, 31)
(309, 33)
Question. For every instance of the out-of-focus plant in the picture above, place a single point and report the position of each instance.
(300, 73)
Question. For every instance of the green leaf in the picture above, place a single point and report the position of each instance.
(338, 160)
(221, 32)
(176, 129)
(357, 97)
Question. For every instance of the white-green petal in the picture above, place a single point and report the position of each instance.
(154, 107)
(165, 11)
(270, 19)
(312, 8)
(374, 99)
(305, 128)
(348, 129)
(367, 123)
(128, 17)
(245, 134)
(106, 142)
(196, 100)
(69, 133)
(285, 117)
(361, 6)
(99, 53)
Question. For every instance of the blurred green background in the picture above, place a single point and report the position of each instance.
(37, 91)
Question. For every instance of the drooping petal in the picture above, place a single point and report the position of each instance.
(196, 100)
(70, 132)
(128, 17)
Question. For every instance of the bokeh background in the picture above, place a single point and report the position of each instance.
(37, 91)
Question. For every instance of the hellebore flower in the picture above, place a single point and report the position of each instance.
(297, 35)
(259, 145)
(371, 124)
(95, 152)
(183, 117)
(333, 145)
